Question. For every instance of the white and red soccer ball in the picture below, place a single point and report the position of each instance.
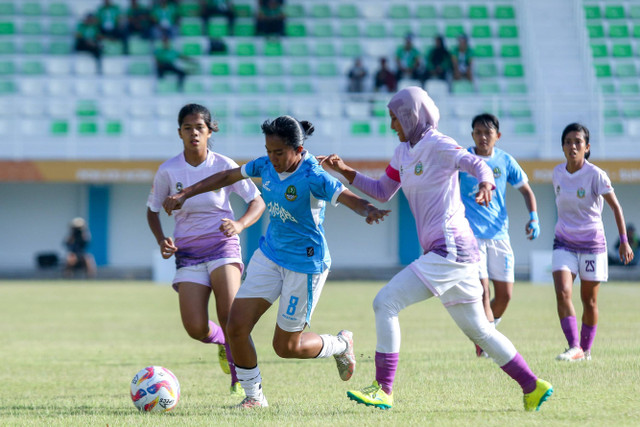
(155, 389)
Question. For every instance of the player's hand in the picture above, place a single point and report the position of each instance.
(332, 161)
(376, 215)
(483, 196)
(167, 248)
(173, 202)
(230, 227)
(626, 253)
(532, 229)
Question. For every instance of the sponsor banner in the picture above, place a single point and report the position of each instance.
(144, 171)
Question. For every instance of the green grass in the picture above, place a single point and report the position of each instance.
(69, 349)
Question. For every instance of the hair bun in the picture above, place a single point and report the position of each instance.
(307, 127)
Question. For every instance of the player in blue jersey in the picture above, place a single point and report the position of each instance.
(490, 224)
(293, 260)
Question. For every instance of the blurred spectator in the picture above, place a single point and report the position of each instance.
(384, 78)
(139, 20)
(408, 60)
(270, 18)
(356, 75)
(164, 18)
(461, 59)
(88, 39)
(212, 8)
(167, 61)
(112, 25)
(77, 244)
(217, 46)
(438, 61)
(635, 247)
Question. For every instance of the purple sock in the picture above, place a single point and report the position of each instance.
(587, 335)
(216, 335)
(570, 328)
(386, 365)
(232, 366)
(518, 369)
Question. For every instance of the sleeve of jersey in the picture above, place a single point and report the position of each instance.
(159, 191)
(603, 184)
(475, 166)
(326, 187)
(382, 189)
(516, 176)
(251, 169)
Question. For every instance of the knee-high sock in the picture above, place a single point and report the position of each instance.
(570, 328)
(386, 365)
(518, 369)
(251, 381)
(232, 365)
(216, 335)
(331, 345)
(587, 335)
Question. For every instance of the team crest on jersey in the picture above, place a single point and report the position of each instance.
(581, 193)
(179, 186)
(497, 172)
(419, 169)
(291, 194)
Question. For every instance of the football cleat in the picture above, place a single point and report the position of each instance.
(236, 390)
(537, 397)
(372, 395)
(222, 359)
(573, 354)
(250, 402)
(346, 361)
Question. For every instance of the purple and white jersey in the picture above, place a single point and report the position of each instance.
(579, 202)
(197, 233)
(428, 173)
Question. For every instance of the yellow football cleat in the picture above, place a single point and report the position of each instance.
(372, 395)
(222, 358)
(533, 400)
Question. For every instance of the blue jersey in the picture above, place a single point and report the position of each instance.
(491, 222)
(296, 203)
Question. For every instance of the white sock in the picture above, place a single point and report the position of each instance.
(331, 345)
(496, 320)
(251, 382)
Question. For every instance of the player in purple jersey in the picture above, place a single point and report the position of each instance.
(426, 165)
(207, 247)
(579, 246)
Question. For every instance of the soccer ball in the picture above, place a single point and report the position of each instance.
(155, 389)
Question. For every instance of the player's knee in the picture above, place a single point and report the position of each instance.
(383, 304)
(197, 332)
(285, 350)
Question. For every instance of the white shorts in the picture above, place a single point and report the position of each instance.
(453, 282)
(298, 292)
(592, 267)
(201, 273)
(496, 260)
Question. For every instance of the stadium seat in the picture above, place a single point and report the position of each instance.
(351, 49)
(507, 31)
(452, 31)
(599, 50)
(401, 29)
(272, 48)
(611, 128)
(399, 11)
(245, 49)
(33, 47)
(321, 11)
(87, 128)
(631, 88)
(294, 10)
(302, 88)
(217, 27)
(113, 128)
(428, 31)
(517, 88)
(7, 9)
(486, 70)
(323, 29)
(7, 47)
(244, 10)
(140, 68)
(7, 28)
(192, 86)
(483, 51)
(608, 88)
(631, 110)
(7, 68)
(462, 87)
(248, 87)
(510, 51)
(31, 8)
(602, 70)
(451, 11)
(33, 68)
(188, 8)
(275, 88)
(626, 70)
(60, 28)
(504, 12)
(592, 11)
(295, 29)
(614, 11)
(488, 87)
(191, 27)
(244, 28)
(273, 69)
(478, 12)
(595, 31)
(360, 128)
(513, 70)
(221, 87)
(524, 128)
(481, 31)
(347, 11)
(31, 28)
(59, 127)
(59, 9)
(426, 11)
(620, 50)
(325, 49)
(618, 31)
(297, 49)
(375, 30)
(349, 30)
(86, 108)
(220, 69)
(246, 69)
(636, 31)
(300, 69)
(60, 47)
(326, 69)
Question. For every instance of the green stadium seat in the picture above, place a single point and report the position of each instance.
(636, 31)
(220, 69)
(428, 31)
(275, 88)
(360, 128)
(478, 12)
(626, 70)
(321, 11)
(272, 48)
(602, 70)
(375, 30)
(592, 11)
(519, 110)
(112, 47)
(245, 49)
(244, 28)
(7, 28)
(7, 68)
(608, 88)
(631, 88)
(86, 108)
(194, 86)
(297, 49)
(610, 111)
(31, 28)
(302, 88)
(634, 11)
(351, 50)
(244, 10)
(247, 69)
(166, 86)
(486, 70)
(139, 68)
(192, 49)
(323, 29)
(60, 28)
(631, 110)
(31, 9)
(251, 128)
(524, 128)
(612, 11)
(294, 10)
(138, 46)
(507, 31)
(599, 50)
(86, 128)
(619, 31)
(453, 30)
(300, 69)
(295, 29)
(59, 9)
(60, 47)
(489, 87)
(517, 88)
(273, 69)
(401, 29)
(349, 30)
(191, 27)
(217, 27)
(113, 128)
(188, 9)
(462, 87)
(248, 110)
(513, 70)
(7, 47)
(33, 68)
(595, 31)
(7, 9)
(325, 49)
(379, 109)
(510, 51)
(611, 128)
(483, 51)
(452, 11)
(481, 31)
(221, 87)
(327, 69)
(59, 127)
(7, 87)
(622, 51)
(33, 47)
(347, 11)
(399, 11)
(504, 12)
(426, 11)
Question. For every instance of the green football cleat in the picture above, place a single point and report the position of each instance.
(533, 400)
(372, 395)
(222, 358)
(236, 390)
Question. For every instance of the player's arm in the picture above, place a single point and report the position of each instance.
(533, 226)
(211, 183)
(362, 207)
(626, 253)
(230, 227)
(167, 247)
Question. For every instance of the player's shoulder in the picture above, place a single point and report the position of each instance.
(176, 162)
(214, 158)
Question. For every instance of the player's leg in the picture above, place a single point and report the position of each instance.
(500, 266)
(404, 289)
(589, 297)
(564, 267)
(503, 292)
(194, 310)
(471, 319)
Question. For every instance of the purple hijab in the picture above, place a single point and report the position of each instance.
(416, 112)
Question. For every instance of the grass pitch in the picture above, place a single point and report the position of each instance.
(69, 349)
